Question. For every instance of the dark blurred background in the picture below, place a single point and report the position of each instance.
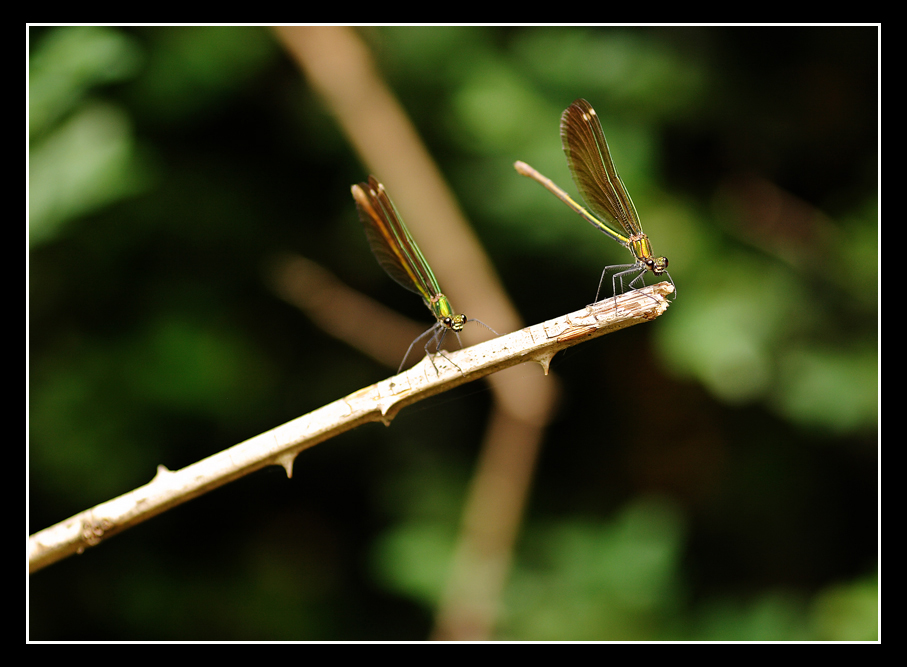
(712, 475)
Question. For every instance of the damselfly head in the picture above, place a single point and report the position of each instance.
(455, 322)
(657, 265)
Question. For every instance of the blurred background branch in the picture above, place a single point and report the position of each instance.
(338, 66)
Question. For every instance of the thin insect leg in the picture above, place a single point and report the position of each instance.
(637, 279)
(672, 282)
(436, 339)
(441, 352)
(601, 280)
(633, 267)
(632, 282)
(440, 333)
(640, 277)
(410, 348)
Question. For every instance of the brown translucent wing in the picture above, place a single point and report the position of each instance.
(596, 178)
(391, 242)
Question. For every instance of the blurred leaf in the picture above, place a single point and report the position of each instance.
(83, 165)
(834, 389)
(414, 559)
(68, 62)
(583, 581)
(848, 612)
(82, 155)
(772, 617)
(726, 333)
